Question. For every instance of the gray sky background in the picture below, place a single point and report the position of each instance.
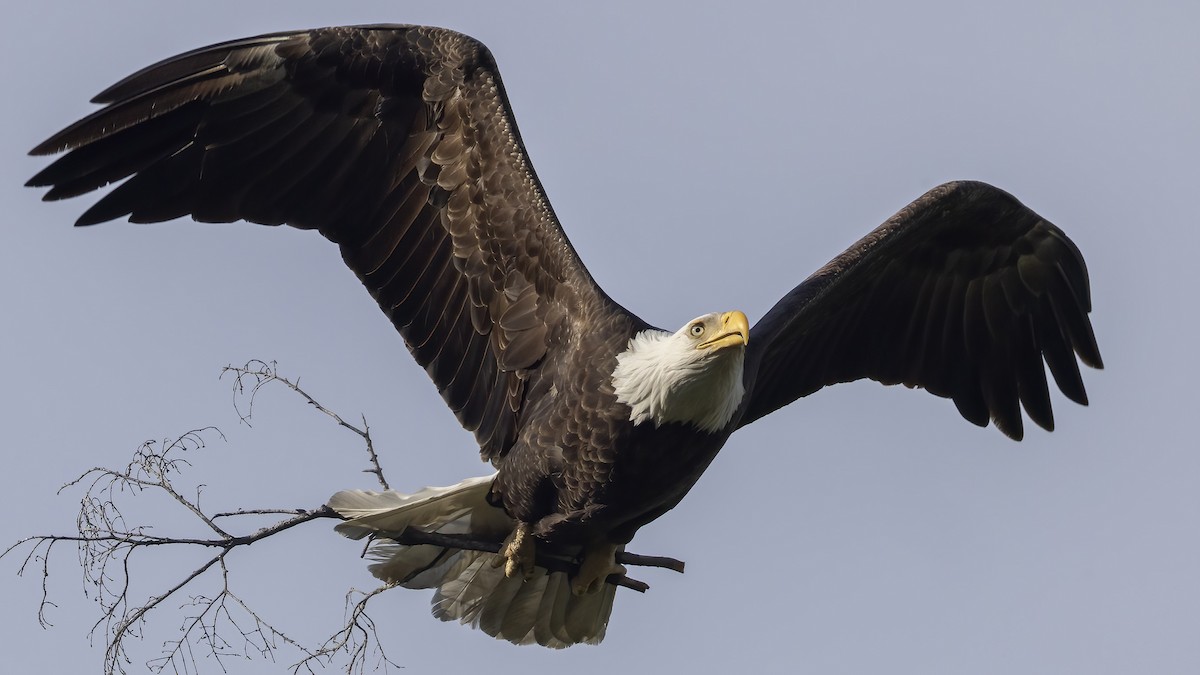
(862, 530)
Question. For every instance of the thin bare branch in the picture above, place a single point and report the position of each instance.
(673, 564)
(216, 617)
(413, 536)
(259, 512)
(106, 544)
(357, 639)
(256, 374)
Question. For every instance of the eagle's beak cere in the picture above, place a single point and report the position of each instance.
(735, 331)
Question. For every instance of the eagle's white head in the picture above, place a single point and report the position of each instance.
(693, 375)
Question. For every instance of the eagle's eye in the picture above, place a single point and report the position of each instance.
(697, 329)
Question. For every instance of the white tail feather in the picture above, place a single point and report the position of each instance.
(469, 587)
(431, 508)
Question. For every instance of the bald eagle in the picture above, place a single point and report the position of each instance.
(397, 143)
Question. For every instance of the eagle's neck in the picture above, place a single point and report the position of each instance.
(663, 378)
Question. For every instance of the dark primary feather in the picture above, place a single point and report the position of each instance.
(395, 142)
(964, 293)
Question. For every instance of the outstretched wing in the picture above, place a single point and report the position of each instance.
(963, 293)
(395, 142)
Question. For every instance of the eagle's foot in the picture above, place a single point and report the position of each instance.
(599, 561)
(518, 552)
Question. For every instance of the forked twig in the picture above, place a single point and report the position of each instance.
(261, 373)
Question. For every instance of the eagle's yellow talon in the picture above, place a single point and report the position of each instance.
(518, 553)
(599, 561)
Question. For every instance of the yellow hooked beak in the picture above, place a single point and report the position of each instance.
(735, 331)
